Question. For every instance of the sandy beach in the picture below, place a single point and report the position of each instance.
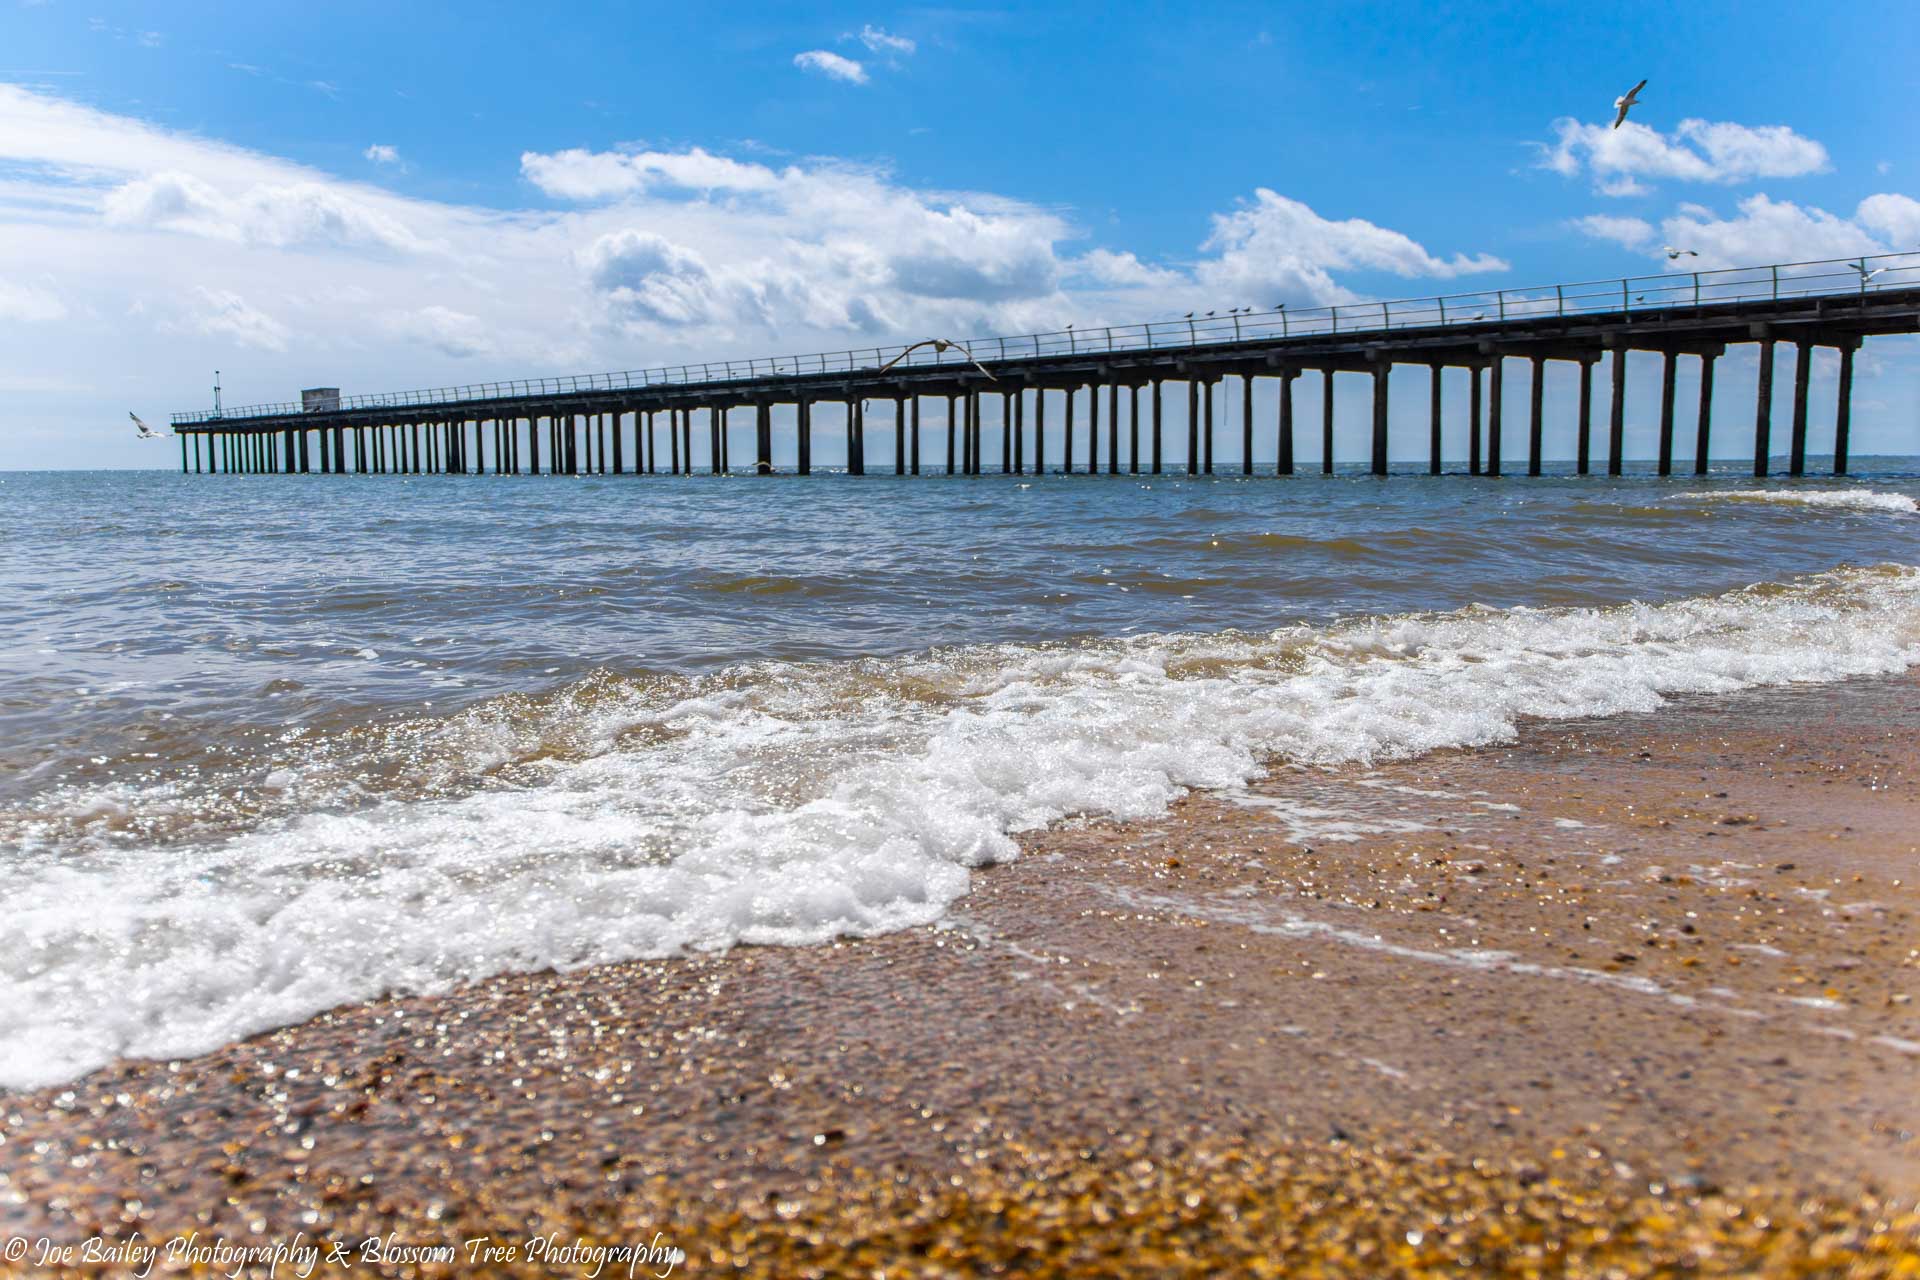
(1624, 997)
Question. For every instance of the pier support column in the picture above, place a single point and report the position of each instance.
(1434, 372)
(1802, 368)
(1019, 433)
(913, 444)
(973, 430)
(1133, 430)
(1158, 406)
(533, 445)
(1668, 359)
(1476, 409)
(1617, 413)
(1193, 425)
(1326, 422)
(1284, 446)
(1113, 428)
(1496, 398)
(306, 465)
(1208, 389)
(1039, 431)
(1703, 433)
(1583, 442)
(1246, 424)
(183, 451)
(1093, 428)
(1843, 407)
(619, 453)
(1066, 433)
(326, 454)
(1008, 451)
(953, 437)
(804, 427)
(1763, 411)
(1382, 373)
(1534, 429)
(340, 451)
(716, 440)
(899, 435)
(763, 439)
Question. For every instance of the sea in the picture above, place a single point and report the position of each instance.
(269, 744)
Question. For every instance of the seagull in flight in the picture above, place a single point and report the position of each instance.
(1866, 275)
(1673, 253)
(1628, 100)
(146, 432)
(940, 346)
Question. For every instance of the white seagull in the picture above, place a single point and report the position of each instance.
(940, 346)
(1866, 275)
(1673, 253)
(1626, 101)
(146, 432)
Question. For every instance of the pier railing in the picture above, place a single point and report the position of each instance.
(1666, 291)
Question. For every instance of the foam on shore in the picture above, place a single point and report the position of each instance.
(788, 803)
(1842, 499)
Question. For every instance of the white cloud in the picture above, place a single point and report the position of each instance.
(831, 65)
(1277, 247)
(1766, 231)
(182, 254)
(593, 175)
(1628, 232)
(382, 153)
(1895, 218)
(29, 305)
(280, 215)
(885, 43)
(224, 314)
(1696, 151)
(450, 332)
(1122, 271)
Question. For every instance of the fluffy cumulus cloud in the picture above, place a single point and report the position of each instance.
(1696, 151)
(452, 333)
(827, 63)
(279, 216)
(1276, 247)
(182, 255)
(1763, 231)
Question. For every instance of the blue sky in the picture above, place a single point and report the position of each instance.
(398, 195)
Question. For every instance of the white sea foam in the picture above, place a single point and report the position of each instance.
(1847, 499)
(788, 804)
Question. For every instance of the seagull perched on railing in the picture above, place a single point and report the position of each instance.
(1673, 253)
(940, 346)
(146, 432)
(1625, 102)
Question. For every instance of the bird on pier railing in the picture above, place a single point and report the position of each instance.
(145, 432)
(1625, 102)
(940, 347)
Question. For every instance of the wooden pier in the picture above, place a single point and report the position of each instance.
(648, 422)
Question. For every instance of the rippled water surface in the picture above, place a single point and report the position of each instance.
(244, 720)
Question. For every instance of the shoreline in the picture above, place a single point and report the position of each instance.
(1306, 1023)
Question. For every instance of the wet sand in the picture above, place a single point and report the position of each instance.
(1625, 997)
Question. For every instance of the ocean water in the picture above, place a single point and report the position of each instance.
(268, 744)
